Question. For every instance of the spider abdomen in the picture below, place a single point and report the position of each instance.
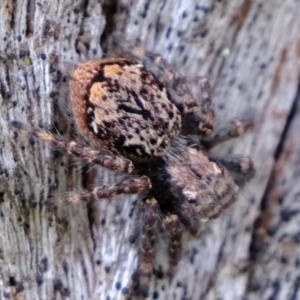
(124, 108)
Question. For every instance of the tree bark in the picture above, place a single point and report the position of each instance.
(249, 50)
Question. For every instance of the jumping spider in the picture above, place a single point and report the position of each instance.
(143, 126)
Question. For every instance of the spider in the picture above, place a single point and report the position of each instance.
(145, 127)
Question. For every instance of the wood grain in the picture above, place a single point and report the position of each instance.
(249, 50)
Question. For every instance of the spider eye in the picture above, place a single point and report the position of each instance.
(191, 200)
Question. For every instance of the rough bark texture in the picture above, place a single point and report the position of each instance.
(250, 50)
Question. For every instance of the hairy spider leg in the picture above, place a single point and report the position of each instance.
(232, 129)
(149, 212)
(174, 232)
(241, 168)
(153, 221)
(129, 186)
(104, 158)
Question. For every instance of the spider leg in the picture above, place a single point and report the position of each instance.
(234, 128)
(101, 157)
(240, 167)
(174, 231)
(190, 219)
(202, 120)
(129, 186)
(142, 276)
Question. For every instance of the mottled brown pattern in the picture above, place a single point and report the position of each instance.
(129, 186)
(174, 228)
(134, 124)
(126, 108)
(149, 211)
(207, 186)
(198, 113)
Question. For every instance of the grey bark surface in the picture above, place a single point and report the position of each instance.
(250, 50)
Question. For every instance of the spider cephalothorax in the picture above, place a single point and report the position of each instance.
(142, 126)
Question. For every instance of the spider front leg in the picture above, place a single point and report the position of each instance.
(240, 167)
(233, 129)
(130, 186)
(101, 157)
(202, 120)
